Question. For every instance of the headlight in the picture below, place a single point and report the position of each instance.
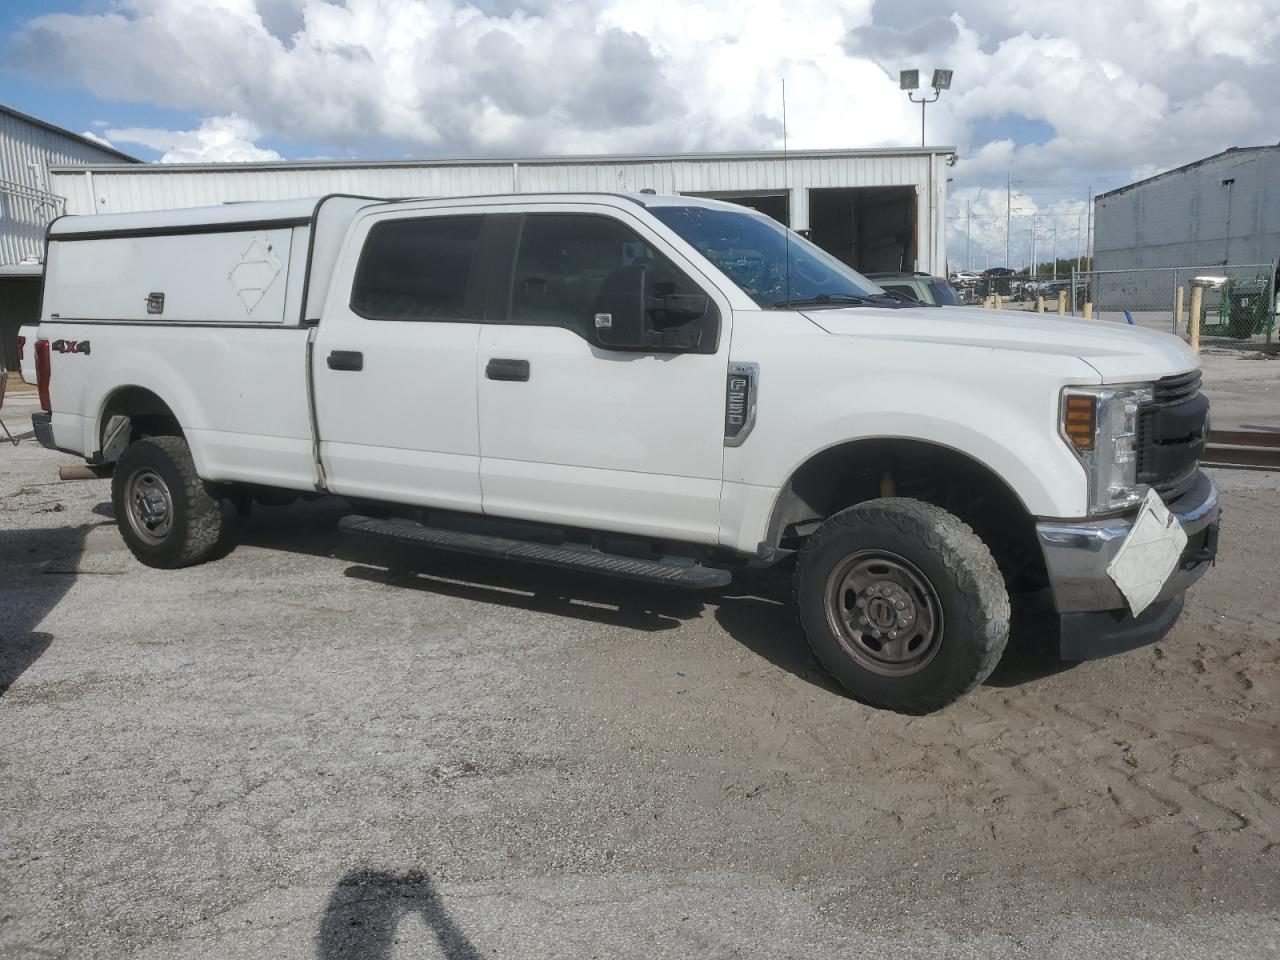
(1101, 425)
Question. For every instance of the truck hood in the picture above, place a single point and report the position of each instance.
(1118, 351)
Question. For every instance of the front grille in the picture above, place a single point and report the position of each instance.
(1171, 434)
(1182, 387)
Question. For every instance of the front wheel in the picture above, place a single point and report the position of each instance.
(902, 603)
(165, 514)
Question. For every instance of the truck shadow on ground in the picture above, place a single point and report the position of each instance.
(37, 568)
(757, 613)
(366, 908)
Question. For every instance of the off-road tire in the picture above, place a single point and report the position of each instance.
(196, 523)
(954, 562)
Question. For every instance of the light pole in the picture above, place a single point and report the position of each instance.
(909, 80)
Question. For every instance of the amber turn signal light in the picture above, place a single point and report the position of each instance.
(1080, 421)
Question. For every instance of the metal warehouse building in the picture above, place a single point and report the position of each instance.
(1224, 209)
(28, 149)
(875, 209)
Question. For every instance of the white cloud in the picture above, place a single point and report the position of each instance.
(90, 135)
(1123, 88)
(226, 139)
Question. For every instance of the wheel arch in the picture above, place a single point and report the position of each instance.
(859, 470)
(129, 413)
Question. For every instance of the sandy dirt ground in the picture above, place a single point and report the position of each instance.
(315, 747)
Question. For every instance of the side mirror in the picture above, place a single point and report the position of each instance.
(628, 318)
(622, 316)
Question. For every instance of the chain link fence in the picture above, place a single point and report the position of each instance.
(1238, 301)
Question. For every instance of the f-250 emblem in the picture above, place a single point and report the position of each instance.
(70, 346)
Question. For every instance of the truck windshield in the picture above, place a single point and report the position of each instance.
(751, 250)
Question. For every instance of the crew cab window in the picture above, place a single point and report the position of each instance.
(418, 270)
(565, 261)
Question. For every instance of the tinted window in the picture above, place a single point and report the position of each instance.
(566, 259)
(417, 270)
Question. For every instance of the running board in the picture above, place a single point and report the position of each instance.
(585, 559)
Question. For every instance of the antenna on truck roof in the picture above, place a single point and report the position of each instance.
(786, 182)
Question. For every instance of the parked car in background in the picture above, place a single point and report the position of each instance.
(936, 291)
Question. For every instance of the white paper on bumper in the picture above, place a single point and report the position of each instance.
(1149, 554)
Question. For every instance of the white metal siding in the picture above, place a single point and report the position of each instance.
(1180, 219)
(27, 201)
(157, 188)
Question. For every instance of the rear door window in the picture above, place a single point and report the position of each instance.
(419, 269)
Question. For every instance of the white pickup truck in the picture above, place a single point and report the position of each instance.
(662, 388)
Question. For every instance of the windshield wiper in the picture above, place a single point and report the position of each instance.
(823, 299)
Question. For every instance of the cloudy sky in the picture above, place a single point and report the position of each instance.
(1062, 96)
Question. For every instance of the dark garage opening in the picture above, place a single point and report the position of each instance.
(19, 305)
(770, 203)
(870, 228)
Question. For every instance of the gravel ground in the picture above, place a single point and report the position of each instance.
(318, 747)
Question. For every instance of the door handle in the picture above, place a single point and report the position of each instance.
(346, 360)
(501, 369)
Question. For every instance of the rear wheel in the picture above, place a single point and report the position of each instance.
(165, 514)
(902, 603)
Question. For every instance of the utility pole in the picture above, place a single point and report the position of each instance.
(1088, 236)
(1035, 266)
(1008, 218)
(968, 219)
(1055, 246)
(1078, 235)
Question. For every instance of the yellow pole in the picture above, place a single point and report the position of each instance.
(1197, 295)
(999, 302)
(1178, 316)
(1039, 304)
(988, 302)
(1088, 311)
(1062, 303)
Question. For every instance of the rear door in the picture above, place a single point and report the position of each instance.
(574, 434)
(394, 361)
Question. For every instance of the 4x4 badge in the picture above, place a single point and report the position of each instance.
(70, 346)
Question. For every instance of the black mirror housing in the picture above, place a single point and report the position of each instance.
(628, 318)
(622, 319)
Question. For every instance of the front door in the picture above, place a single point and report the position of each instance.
(395, 364)
(575, 434)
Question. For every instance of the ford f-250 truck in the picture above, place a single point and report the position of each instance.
(663, 388)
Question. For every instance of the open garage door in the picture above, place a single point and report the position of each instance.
(19, 305)
(770, 203)
(870, 228)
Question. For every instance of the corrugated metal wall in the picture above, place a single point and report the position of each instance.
(152, 187)
(27, 201)
(1191, 217)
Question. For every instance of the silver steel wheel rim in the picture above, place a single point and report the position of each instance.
(149, 506)
(884, 612)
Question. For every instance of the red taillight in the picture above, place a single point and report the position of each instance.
(22, 349)
(43, 374)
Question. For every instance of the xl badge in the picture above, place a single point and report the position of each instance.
(70, 346)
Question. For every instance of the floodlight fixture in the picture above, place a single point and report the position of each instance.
(909, 80)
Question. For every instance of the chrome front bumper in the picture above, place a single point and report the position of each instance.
(1077, 555)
